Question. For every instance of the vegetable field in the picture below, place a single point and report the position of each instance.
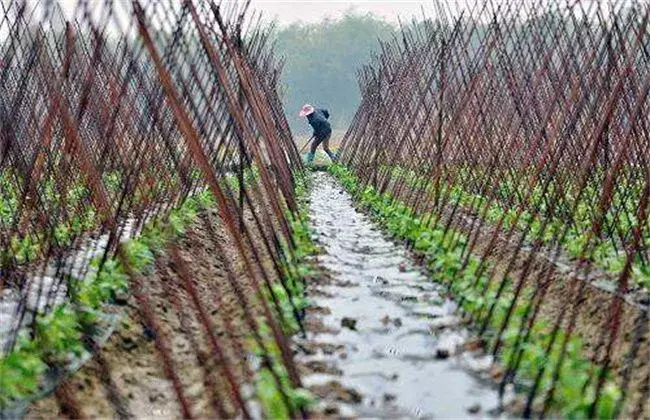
(509, 145)
(124, 126)
(164, 253)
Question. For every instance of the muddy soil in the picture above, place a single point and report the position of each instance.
(126, 378)
(383, 340)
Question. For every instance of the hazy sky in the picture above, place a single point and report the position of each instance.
(287, 12)
(290, 11)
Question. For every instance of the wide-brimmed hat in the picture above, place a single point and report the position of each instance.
(306, 110)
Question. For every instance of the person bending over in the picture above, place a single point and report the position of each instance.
(318, 119)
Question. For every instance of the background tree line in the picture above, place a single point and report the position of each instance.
(321, 63)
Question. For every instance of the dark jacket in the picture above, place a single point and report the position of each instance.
(318, 121)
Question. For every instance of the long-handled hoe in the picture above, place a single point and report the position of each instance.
(303, 147)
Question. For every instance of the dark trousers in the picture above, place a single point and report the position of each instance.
(325, 141)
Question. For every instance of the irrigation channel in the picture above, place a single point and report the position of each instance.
(386, 339)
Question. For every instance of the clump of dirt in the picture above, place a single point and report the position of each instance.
(319, 366)
(333, 390)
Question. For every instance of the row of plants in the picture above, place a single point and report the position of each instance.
(297, 270)
(79, 216)
(58, 336)
(71, 195)
(604, 253)
(50, 193)
(573, 392)
(26, 247)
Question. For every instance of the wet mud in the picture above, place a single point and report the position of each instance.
(383, 340)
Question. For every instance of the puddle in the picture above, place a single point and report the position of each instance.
(390, 336)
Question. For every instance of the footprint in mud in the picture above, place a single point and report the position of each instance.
(400, 349)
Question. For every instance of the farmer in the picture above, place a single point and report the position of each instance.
(322, 130)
